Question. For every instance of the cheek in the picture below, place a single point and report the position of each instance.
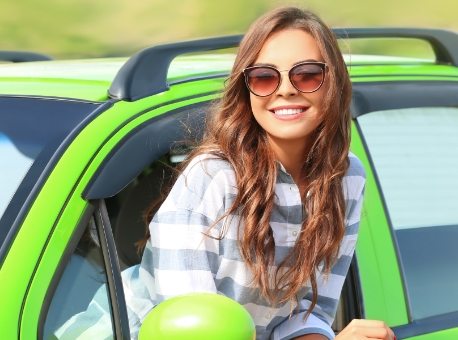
(258, 104)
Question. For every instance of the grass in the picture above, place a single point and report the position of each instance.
(86, 28)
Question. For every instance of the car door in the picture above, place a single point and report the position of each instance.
(79, 259)
(406, 134)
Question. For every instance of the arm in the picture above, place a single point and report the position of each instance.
(320, 320)
(183, 259)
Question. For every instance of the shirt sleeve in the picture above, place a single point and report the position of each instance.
(183, 258)
(322, 316)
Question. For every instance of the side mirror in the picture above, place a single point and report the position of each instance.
(198, 316)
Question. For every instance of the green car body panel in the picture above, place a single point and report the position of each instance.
(26, 277)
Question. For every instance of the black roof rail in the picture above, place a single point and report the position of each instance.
(444, 43)
(19, 57)
(145, 73)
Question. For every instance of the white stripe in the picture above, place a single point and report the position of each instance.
(235, 270)
(142, 306)
(288, 194)
(261, 315)
(352, 187)
(182, 236)
(175, 282)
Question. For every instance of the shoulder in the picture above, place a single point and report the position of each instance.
(356, 167)
(355, 179)
(206, 186)
(207, 165)
(207, 176)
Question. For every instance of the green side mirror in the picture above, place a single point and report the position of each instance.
(198, 316)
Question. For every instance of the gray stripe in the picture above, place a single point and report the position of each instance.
(260, 330)
(276, 321)
(327, 304)
(185, 259)
(283, 177)
(147, 259)
(287, 214)
(352, 229)
(137, 285)
(230, 251)
(350, 204)
(341, 266)
(239, 293)
(356, 168)
(281, 252)
(245, 295)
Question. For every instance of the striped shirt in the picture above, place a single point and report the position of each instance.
(178, 259)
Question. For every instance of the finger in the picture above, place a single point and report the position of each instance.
(367, 323)
(371, 329)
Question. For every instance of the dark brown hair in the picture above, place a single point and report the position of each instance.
(240, 140)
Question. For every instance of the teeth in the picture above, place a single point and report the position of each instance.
(288, 111)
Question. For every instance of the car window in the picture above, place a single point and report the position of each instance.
(415, 155)
(31, 131)
(81, 305)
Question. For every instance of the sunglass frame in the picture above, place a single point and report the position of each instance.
(322, 65)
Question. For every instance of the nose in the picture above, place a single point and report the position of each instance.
(286, 89)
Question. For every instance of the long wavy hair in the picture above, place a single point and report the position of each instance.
(240, 140)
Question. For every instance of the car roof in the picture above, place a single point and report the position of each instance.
(89, 79)
(151, 70)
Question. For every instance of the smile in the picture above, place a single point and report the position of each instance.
(289, 111)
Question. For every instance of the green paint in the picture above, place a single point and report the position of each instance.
(59, 187)
(417, 72)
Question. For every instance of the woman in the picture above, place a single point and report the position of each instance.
(273, 187)
(266, 210)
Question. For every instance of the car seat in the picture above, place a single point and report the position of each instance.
(130, 226)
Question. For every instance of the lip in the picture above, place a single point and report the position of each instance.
(292, 107)
(288, 117)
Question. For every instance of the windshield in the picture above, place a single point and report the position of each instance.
(31, 130)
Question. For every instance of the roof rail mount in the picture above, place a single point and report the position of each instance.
(145, 73)
(20, 57)
(444, 43)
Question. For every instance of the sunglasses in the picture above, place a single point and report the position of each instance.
(306, 77)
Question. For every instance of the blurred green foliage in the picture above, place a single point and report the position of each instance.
(98, 28)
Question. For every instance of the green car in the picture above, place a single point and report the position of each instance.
(85, 146)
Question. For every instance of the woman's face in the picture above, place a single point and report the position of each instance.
(283, 50)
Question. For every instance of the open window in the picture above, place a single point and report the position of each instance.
(86, 297)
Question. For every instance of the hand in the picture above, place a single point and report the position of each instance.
(366, 329)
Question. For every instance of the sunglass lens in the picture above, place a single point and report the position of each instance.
(262, 81)
(307, 78)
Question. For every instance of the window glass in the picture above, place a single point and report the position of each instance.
(415, 154)
(31, 130)
(81, 304)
